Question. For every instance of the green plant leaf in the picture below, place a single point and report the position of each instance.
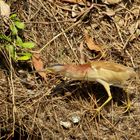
(19, 25)
(24, 56)
(19, 41)
(28, 45)
(4, 37)
(11, 49)
(13, 29)
(13, 16)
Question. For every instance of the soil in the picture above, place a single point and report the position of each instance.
(59, 108)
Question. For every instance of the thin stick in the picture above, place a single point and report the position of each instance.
(129, 38)
(68, 29)
(66, 38)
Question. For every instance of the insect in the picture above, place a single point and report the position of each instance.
(105, 72)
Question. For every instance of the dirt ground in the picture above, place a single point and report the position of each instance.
(59, 108)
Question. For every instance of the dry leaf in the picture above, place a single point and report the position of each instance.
(4, 9)
(82, 57)
(119, 20)
(91, 45)
(136, 11)
(111, 1)
(81, 2)
(110, 12)
(74, 13)
(38, 65)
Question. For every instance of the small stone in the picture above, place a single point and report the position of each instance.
(66, 125)
(75, 119)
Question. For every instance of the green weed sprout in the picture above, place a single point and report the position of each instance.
(14, 44)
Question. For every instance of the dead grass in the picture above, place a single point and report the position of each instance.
(33, 109)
